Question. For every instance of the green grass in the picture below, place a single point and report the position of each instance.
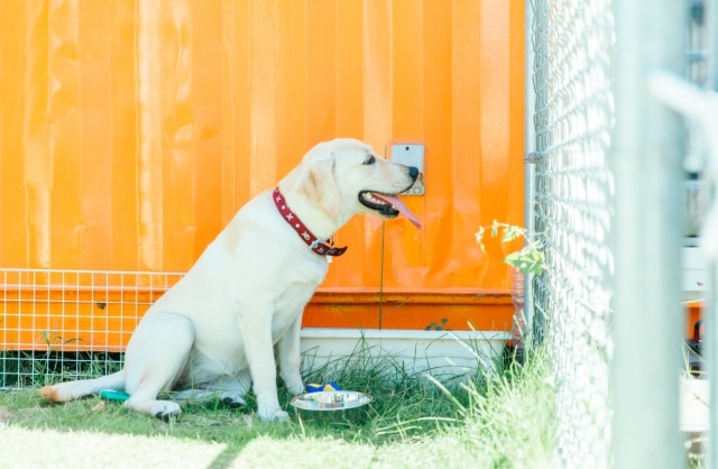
(499, 420)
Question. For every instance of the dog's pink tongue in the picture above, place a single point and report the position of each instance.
(396, 202)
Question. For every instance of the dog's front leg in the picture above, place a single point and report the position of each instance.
(257, 334)
(289, 355)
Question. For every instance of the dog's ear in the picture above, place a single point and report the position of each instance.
(319, 187)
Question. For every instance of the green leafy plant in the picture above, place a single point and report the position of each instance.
(530, 259)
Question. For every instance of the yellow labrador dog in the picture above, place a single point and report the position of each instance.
(214, 332)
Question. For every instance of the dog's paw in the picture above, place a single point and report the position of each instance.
(276, 416)
(296, 389)
(232, 400)
(163, 410)
(280, 416)
(293, 381)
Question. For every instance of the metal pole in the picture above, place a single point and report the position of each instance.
(709, 350)
(529, 172)
(646, 238)
(710, 343)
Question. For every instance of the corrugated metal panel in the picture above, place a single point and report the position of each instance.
(132, 131)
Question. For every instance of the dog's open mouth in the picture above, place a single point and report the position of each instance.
(389, 206)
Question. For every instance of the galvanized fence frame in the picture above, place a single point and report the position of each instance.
(605, 200)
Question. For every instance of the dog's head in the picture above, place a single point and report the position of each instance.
(345, 176)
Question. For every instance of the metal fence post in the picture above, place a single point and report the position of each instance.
(710, 345)
(529, 173)
(710, 358)
(647, 232)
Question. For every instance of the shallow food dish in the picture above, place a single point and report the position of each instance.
(332, 405)
(330, 400)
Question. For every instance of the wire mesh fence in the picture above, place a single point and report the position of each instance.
(574, 114)
(70, 324)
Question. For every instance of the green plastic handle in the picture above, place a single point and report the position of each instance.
(112, 395)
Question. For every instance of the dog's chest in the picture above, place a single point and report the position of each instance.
(290, 305)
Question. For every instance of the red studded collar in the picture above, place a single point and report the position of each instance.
(312, 241)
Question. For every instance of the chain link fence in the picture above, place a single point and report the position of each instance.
(571, 101)
(574, 114)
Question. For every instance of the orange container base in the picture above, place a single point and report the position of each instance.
(462, 310)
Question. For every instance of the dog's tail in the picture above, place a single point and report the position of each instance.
(73, 389)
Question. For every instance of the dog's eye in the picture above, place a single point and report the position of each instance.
(370, 160)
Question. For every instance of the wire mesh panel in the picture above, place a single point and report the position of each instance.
(574, 192)
(67, 324)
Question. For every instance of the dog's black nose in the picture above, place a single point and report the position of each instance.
(413, 172)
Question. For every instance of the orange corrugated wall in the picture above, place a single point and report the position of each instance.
(132, 131)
